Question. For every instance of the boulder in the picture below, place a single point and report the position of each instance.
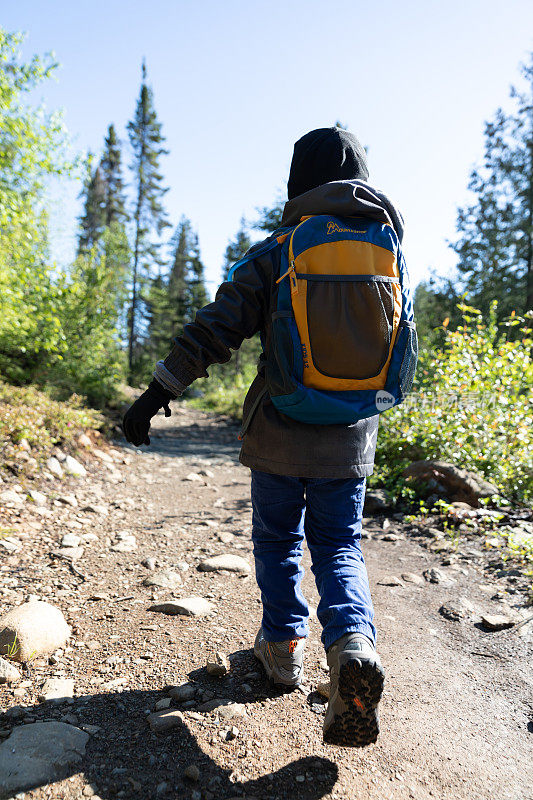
(226, 563)
(188, 607)
(377, 501)
(38, 754)
(31, 630)
(459, 485)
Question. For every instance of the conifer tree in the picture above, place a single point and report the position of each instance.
(92, 221)
(236, 248)
(149, 218)
(111, 167)
(196, 278)
(495, 241)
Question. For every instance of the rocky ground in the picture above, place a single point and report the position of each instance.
(138, 713)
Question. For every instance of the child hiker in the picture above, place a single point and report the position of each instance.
(328, 293)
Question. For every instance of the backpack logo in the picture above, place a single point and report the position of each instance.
(332, 227)
(384, 400)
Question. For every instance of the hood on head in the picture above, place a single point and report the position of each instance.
(325, 155)
(344, 199)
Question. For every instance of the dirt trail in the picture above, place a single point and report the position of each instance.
(454, 719)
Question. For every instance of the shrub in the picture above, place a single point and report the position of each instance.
(472, 405)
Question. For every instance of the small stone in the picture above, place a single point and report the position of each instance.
(300, 778)
(188, 606)
(57, 689)
(194, 477)
(70, 540)
(10, 496)
(102, 455)
(231, 710)
(182, 693)
(323, 689)
(38, 497)
(31, 630)
(232, 733)
(84, 441)
(215, 704)
(54, 467)
(126, 544)
(434, 575)
(496, 622)
(149, 563)
(412, 577)
(163, 703)
(218, 665)
(165, 579)
(457, 610)
(73, 467)
(390, 580)
(96, 508)
(68, 500)
(8, 673)
(161, 721)
(391, 537)
(192, 773)
(72, 553)
(226, 563)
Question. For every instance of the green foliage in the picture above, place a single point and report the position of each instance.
(495, 233)
(27, 413)
(435, 301)
(472, 405)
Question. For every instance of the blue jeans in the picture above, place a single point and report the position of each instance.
(328, 512)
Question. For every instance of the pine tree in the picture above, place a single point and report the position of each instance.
(236, 248)
(92, 221)
(110, 165)
(149, 216)
(495, 242)
(174, 301)
(196, 278)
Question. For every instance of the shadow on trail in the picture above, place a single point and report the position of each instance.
(125, 759)
(215, 441)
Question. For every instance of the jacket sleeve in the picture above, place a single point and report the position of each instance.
(237, 312)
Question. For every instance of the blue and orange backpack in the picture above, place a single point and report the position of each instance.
(343, 344)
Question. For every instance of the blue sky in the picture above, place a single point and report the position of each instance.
(236, 83)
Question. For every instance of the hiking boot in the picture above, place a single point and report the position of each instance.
(283, 661)
(356, 686)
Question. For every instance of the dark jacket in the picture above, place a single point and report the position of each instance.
(242, 308)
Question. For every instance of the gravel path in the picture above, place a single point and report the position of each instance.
(456, 715)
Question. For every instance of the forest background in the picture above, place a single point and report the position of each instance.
(79, 333)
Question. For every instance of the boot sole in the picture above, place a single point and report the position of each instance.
(360, 687)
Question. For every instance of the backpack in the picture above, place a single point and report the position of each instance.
(343, 345)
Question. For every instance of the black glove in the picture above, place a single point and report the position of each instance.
(136, 422)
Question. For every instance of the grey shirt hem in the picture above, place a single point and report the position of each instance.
(306, 470)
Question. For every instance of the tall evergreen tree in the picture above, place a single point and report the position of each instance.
(236, 248)
(495, 232)
(196, 278)
(111, 167)
(92, 220)
(172, 302)
(149, 216)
